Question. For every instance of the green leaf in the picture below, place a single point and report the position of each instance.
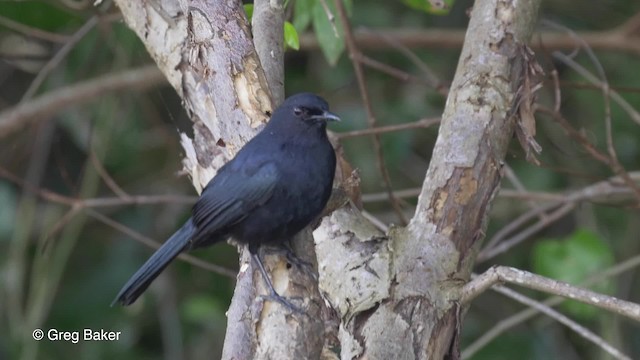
(291, 36)
(573, 260)
(248, 9)
(329, 33)
(435, 7)
(302, 12)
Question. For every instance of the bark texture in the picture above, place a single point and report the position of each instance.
(410, 310)
(384, 296)
(206, 51)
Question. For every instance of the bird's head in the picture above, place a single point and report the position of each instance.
(306, 108)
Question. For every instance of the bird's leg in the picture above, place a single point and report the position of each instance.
(292, 258)
(273, 296)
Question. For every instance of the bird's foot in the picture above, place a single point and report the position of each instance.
(291, 257)
(275, 297)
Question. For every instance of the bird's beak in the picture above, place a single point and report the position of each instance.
(329, 116)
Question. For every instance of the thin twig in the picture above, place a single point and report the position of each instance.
(49, 104)
(58, 57)
(576, 135)
(155, 245)
(577, 328)
(524, 315)
(98, 202)
(390, 70)
(612, 163)
(594, 192)
(513, 178)
(353, 51)
(433, 38)
(32, 32)
(375, 221)
(523, 235)
(108, 180)
(429, 74)
(615, 96)
(420, 124)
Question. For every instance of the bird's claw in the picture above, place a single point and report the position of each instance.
(275, 297)
(304, 266)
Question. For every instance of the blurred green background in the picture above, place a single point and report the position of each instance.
(62, 264)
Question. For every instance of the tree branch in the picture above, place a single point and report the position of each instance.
(267, 27)
(577, 328)
(453, 39)
(46, 105)
(520, 317)
(499, 274)
(205, 50)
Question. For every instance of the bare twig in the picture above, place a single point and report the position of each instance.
(17, 253)
(499, 274)
(390, 70)
(597, 192)
(375, 221)
(108, 180)
(576, 135)
(524, 315)
(155, 245)
(353, 51)
(429, 74)
(48, 104)
(420, 124)
(577, 328)
(615, 96)
(612, 163)
(513, 178)
(58, 57)
(615, 40)
(523, 235)
(31, 31)
(98, 202)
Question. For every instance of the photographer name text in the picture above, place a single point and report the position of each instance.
(76, 336)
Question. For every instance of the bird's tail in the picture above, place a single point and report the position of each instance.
(139, 282)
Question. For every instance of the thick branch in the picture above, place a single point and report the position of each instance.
(205, 50)
(409, 311)
(465, 169)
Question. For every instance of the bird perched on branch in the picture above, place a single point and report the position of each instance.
(276, 185)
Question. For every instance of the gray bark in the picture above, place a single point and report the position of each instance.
(392, 296)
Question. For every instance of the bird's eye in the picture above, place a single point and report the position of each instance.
(297, 111)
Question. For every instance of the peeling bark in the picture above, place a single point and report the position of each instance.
(206, 51)
(432, 257)
(391, 296)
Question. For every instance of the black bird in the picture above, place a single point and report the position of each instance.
(276, 185)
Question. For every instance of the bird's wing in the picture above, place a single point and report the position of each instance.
(232, 193)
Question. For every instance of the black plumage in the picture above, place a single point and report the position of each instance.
(276, 185)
